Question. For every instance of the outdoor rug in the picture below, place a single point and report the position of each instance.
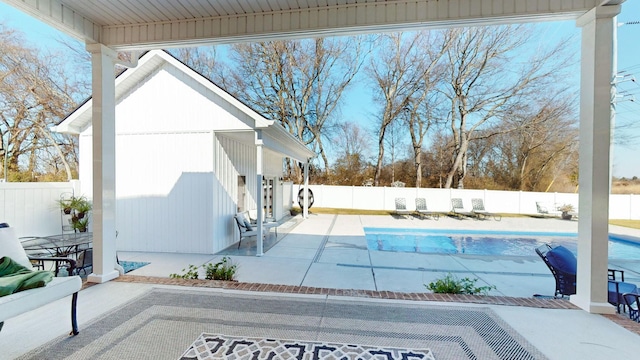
(165, 322)
(216, 346)
(129, 266)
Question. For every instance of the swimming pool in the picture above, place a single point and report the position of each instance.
(482, 242)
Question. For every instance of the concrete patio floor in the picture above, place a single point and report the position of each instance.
(330, 251)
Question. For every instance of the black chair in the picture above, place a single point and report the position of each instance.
(632, 301)
(563, 266)
(617, 288)
(85, 260)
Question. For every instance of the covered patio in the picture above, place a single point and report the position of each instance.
(129, 25)
(325, 258)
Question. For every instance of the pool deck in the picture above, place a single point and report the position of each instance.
(330, 252)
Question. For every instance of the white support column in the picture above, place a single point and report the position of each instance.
(104, 163)
(305, 192)
(259, 195)
(595, 140)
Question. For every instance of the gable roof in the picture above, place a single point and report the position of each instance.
(278, 138)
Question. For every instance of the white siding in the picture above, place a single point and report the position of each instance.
(232, 159)
(164, 187)
(171, 101)
(176, 182)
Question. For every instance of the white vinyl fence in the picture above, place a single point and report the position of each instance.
(32, 208)
(514, 202)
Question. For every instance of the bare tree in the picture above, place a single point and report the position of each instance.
(299, 83)
(402, 73)
(353, 145)
(394, 139)
(487, 78)
(200, 59)
(542, 147)
(35, 93)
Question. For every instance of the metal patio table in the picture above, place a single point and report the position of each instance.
(56, 246)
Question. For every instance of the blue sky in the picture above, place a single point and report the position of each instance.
(626, 158)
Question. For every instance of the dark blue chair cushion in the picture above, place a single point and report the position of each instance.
(562, 259)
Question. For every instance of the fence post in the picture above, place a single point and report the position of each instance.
(353, 202)
(520, 202)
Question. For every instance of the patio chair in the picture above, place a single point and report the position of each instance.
(401, 207)
(563, 266)
(458, 210)
(245, 227)
(85, 260)
(546, 210)
(481, 212)
(632, 301)
(421, 209)
(617, 288)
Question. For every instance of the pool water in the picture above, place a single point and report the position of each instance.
(512, 243)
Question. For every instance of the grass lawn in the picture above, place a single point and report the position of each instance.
(635, 224)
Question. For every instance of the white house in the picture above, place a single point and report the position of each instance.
(188, 157)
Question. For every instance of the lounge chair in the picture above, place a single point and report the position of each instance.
(401, 207)
(546, 210)
(563, 265)
(421, 209)
(481, 212)
(457, 209)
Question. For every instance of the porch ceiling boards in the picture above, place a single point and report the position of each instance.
(149, 24)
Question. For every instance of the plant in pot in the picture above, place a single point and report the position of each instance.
(566, 211)
(66, 205)
(78, 207)
(81, 224)
(81, 207)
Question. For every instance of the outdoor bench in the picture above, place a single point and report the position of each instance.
(21, 302)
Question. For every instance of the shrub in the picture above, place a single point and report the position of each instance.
(190, 273)
(222, 270)
(450, 284)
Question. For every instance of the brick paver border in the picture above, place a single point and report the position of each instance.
(620, 319)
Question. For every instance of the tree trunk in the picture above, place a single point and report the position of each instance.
(376, 178)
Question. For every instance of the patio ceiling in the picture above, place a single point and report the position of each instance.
(147, 24)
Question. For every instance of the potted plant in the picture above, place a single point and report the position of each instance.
(78, 207)
(82, 206)
(65, 205)
(566, 211)
(81, 225)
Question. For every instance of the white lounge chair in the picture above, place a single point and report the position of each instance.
(458, 210)
(421, 209)
(481, 212)
(401, 207)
